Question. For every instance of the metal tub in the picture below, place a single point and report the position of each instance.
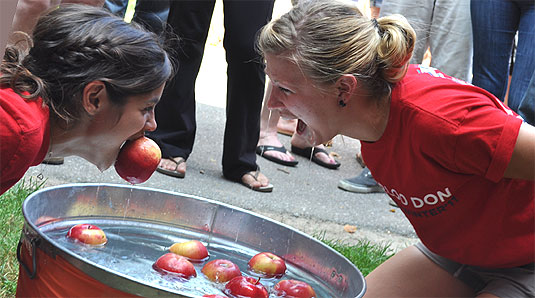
(211, 222)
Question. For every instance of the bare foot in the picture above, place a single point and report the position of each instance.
(178, 165)
(324, 157)
(272, 140)
(256, 181)
(299, 142)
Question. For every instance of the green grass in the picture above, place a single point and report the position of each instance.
(365, 255)
(11, 220)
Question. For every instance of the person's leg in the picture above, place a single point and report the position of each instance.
(419, 14)
(152, 14)
(7, 13)
(526, 108)
(450, 38)
(524, 66)
(117, 7)
(410, 273)
(175, 113)
(493, 30)
(28, 12)
(245, 87)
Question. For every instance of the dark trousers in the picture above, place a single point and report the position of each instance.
(175, 114)
(152, 14)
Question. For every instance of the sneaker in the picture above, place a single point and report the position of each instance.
(363, 183)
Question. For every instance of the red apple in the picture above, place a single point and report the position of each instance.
(137, 160)
(194, 250)
(214, 296)
(175, 264)
(267, 264)
(245, 286)
(221, 270)
(88, 234)
(294, 289)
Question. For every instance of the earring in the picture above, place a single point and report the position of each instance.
(342, 103)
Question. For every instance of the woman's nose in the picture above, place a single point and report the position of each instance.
(273, 99)
(151, 125)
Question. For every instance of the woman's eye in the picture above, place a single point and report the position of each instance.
(284, 90)
(148, 109)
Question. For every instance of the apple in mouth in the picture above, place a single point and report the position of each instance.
(137, 160)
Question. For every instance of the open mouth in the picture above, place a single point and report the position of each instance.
(301, 126)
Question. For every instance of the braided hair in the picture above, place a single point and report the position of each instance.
(74, 45)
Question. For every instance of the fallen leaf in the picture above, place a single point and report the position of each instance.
(350, 229)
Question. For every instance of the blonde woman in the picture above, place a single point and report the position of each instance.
(457, 162)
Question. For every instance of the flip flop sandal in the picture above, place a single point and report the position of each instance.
(173, 173)
(261, 150)
(267, 188)
(307, 153)
(53, 161)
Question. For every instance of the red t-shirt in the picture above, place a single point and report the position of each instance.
(24, 136)
(442, 158)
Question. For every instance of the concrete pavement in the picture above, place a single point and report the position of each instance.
(305, 197)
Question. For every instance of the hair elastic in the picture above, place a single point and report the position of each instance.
(375, 23)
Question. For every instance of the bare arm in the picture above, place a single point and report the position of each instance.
(7, 11)
(522, 164)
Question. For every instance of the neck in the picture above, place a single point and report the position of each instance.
(369, 120)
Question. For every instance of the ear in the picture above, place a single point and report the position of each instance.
(94, 96)
(345, 87)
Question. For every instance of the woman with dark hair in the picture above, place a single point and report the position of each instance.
(457, 162)
(87, 83)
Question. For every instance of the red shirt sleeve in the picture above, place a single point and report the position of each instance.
(24, 136)
(485, 142)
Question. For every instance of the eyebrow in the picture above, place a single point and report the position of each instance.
(154, 100)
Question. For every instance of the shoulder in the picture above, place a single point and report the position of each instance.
(24, 131)
(24, 114)
(445, 98)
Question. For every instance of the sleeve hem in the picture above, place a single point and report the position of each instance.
(504, 149)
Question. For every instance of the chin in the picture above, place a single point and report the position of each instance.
(103, 161)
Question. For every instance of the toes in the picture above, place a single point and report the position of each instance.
(325, 157)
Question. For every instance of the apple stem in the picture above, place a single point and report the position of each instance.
(258, 281)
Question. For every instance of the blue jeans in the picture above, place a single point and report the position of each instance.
(527, 105)
(494, 25)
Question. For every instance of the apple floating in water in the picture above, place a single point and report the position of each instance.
(193, 250)
(175, 264)
(291, 288)
(267, 265)
(137, 160)
(88, 234)
(245, 286)
(220, 270)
